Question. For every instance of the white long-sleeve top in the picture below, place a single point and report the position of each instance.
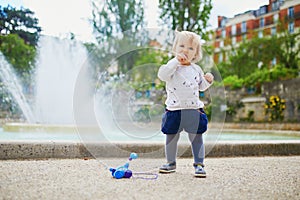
(183, 84)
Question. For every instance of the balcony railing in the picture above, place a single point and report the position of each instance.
(297, 15)
(268, 22)
(237, 33)
(256, 26)
(293, 17)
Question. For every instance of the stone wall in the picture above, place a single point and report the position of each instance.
(254, 105)
(289, 90)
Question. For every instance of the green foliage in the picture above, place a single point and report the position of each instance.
(147, 113)
(18, 53)
(287, 49)
(116, 24)
(233, 107)
(252, 60)
(96, 59)
(149, 55)
(268, 75)
(274, 108)
(21, 22)
(8, 106)
(233, 82)
(246, 58)
(142, 115)
(19, 35)
(113, 17)
(191, 15)
(156, 111)
(141, 86)
(147, 64)
(250, 116)
(259, 76)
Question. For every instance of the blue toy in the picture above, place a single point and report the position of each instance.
(123, 171)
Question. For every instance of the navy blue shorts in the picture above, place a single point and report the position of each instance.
(189, 120)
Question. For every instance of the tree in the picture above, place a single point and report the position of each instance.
(259, 53)
(114, 17)
(190, 15)
(241, 62)
(115, 24)
(288, 49)
(21, 22)
(19, 54)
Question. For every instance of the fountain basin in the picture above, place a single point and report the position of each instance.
(50, 149)
(34, 141)
(47, 128)
(25, 127)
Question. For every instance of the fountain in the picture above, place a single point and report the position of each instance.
(61, 64)
(58, 64)
(10, 79)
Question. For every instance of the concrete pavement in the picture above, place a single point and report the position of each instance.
(227, 178)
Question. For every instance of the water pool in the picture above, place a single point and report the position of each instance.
(226, 135)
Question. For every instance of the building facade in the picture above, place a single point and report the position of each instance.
(267, 20)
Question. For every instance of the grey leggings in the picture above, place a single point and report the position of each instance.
(196, 140)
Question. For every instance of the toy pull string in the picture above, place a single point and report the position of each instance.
(145, 175)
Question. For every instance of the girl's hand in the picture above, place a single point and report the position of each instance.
(209, 77)
(182, 59)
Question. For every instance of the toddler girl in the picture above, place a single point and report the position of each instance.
(184, 110)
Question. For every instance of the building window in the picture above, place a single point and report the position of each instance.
(244, 27)
(233, 29)
(274, 61)
(291, 12)
(223, 33)
(275, 5)
(260, 34)
(221, 44)
(220, 57)
(273, 31)
(262, 22)
(291, 27)
(275, 17)
(233, 41)
(263, 10)
(223, 22)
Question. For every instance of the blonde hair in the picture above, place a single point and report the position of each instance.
(187, 35)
